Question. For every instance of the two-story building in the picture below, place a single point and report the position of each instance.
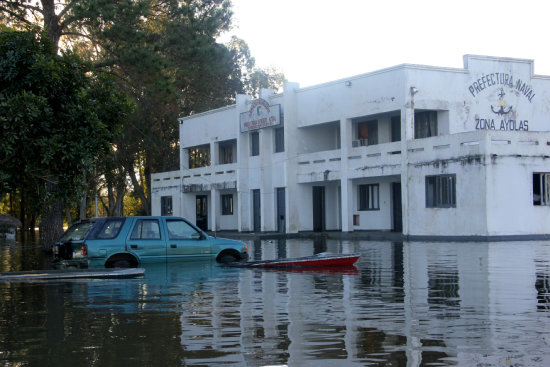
(422, 150)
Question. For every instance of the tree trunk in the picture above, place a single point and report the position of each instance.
(120, 193)
(51, 225)
(51, 220)
(68, 216)
(51, 22)
(83, 207)
(139, 190)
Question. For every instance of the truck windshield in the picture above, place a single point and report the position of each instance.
(77, 232)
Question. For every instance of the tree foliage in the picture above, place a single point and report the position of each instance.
(165, 56)
(57, 117)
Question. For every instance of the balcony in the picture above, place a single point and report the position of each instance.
(373, 160)
(472, 145)
(386, 159)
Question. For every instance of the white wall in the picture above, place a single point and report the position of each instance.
(493, 196)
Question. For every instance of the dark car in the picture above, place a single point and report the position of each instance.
(131, 241)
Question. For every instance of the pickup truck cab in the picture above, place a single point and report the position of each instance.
(131, 241)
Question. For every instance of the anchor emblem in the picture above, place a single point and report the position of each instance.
(501, 110)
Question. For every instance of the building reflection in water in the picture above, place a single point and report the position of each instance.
(412, 303)
(405, 304)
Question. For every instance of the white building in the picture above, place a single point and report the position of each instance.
(426, 151)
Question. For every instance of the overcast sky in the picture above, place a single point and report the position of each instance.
(317, 41)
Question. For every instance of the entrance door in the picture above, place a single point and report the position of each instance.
(397, 207)
(256, 207)
(318, 208)
(202, 212)
(281, 210)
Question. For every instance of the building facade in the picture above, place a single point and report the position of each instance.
(426, 151)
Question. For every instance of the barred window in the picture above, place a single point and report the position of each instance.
(367, 133)
(541, 188)
(441, 191)
(166, 205)
(425, 124)
(227, 204)
(369, 197)
(227, 152)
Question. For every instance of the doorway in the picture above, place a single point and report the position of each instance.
(281, 226)
(202, 212)
(256, 210)
(318, 208)
(397, 207)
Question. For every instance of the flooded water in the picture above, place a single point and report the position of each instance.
(410, 304)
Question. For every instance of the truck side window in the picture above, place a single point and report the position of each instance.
(146, 229)
(181, 230)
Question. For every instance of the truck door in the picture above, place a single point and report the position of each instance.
(185, 241)
(146, 240)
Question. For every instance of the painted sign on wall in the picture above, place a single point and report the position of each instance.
(506, 95)
(260, 115)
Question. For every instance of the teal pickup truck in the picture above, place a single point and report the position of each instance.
(122, 242)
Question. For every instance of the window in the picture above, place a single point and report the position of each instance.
(166, 205)
(146, 229)
(199, 156)
(369, 197)
(395, 128)
(441, 191)
(227, 204)
(110, 228)
(226, 152)
(541, 188)
(279, 140)
(367, 133)
(181, 230)
(254, 143)
(425, 124)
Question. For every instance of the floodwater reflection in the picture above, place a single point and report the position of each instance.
(410, 304)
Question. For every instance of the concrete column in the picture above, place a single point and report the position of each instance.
(345, 184)
(243, 181)
(184, 159)
(189, 206)
(292, 193)
(267, 190)
(214, 211)
(407, 133)
(347, 204)
(214, 153)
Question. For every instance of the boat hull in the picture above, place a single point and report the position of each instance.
(72, 274)
(315, 261)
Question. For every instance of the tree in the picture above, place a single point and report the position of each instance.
(164, 55)
(254, 78)
(57, 116)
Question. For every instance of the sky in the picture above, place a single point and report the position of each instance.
(318, 41)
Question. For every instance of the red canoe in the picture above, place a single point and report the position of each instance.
(316, 261)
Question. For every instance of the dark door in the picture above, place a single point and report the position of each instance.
(281, 210)
(318, 208)
(202, 212)
(256, 207)
(396, 128)
(397, 207)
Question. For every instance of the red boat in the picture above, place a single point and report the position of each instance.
(316, 261)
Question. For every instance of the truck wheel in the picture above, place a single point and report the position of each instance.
(226, 259)
(120, 264)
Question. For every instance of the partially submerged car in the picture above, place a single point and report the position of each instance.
(130, 241)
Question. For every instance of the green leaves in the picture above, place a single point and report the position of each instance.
(56, 116)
